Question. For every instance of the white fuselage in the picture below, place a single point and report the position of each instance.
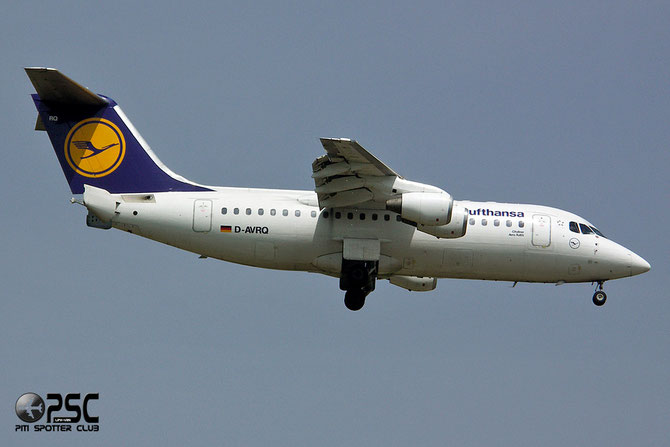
(285, 229)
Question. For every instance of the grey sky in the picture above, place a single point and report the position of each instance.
(558, 103)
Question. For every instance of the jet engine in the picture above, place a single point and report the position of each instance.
(425, 208)
(454, 229)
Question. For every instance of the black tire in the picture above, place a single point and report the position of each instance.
(599, 298)
(354, 299)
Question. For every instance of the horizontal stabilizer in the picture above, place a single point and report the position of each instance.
(53, 86)
(39, 124)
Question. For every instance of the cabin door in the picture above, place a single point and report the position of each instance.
(202, 216)
(541, 230)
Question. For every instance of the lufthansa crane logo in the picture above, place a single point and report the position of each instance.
(94, 147)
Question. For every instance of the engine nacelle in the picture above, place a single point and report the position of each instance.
(414, 283)
(425, 208)
(454, 229)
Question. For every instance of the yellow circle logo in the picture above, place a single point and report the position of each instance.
(94, 147)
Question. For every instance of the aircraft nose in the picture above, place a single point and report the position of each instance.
(638, 265)
(619, 261)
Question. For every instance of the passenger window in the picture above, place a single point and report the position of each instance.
(338, 215)
(374, 216)
(273, 212)
(224, 210)
(398, 218)
(484, 222)
(260, 211)
(248, 211)
(313, 214)
(472, 221)
(521, 224)
(496, 223)
(573, 227)
(325, 214)
(350, 216)
(236, 211)
(362, 216)
(585, 229)
(297, 213)
(387, 217)
(284, 213)
(508, 223)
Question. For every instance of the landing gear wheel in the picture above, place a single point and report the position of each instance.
(599, 298)
(354, 299)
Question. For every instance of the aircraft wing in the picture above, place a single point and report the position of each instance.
(349, 175)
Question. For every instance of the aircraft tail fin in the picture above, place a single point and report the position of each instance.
(96, 144)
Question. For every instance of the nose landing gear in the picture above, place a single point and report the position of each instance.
(599, 297)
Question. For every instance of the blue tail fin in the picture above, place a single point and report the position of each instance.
(95, 142)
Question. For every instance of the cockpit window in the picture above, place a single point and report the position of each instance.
(585, 229)
(597, 231)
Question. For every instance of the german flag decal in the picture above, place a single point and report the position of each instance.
(226, 228)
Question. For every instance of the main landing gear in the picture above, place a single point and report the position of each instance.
(599, 297)
(358, 279)
(354, 299)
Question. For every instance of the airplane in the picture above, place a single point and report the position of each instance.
(363, 221)
(30, 408)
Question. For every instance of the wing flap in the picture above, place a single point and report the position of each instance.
(349, 175)
(347, 198)
(341, 167)
(341, 184)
